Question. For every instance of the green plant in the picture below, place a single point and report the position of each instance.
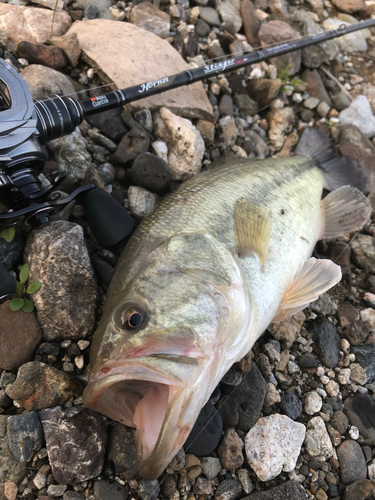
(8, 234)
(285, 78)
(19, 301)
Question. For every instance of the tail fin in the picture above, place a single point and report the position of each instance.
(338, 171)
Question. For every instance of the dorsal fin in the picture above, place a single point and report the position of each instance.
(253, 229)
(313, 277)
(338, 171)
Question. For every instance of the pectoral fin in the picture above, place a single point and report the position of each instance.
(312, 278)
(253, 229)
(344, 210)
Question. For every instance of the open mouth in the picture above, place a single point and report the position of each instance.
(146, 393)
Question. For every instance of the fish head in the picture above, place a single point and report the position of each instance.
(160, 348)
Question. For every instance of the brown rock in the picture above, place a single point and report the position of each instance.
(315, 86)
(347, 314)
(150, 18)
(263, 90)
(30, 24)
(19, 337)
(360, 490)
(43, 81)
(352, 462)
(41, 386)
(230, 451)
(287, 330)
(244, 364)
(349, 6)
(281, 123)
(70, 45)
(356, 333)
(278, 32)
(207, 131)
(37, 53)
(288, 146)
(143, 57)
(250, 21)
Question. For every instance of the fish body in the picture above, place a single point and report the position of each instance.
(200, 280)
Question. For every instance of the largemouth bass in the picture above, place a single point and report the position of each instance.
(204, 275)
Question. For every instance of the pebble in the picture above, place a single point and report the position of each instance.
(318, 443)
(150, 18)
(359, 113)
(323, 109)
(281, 122)
(122, 449)
(352, 462)
(147, 490)
(358, 374)
(332, 388)
(313, 403)
(291, 405)
(340, 422)
(273, 445)
(272, 395)
(229, 489)
(360, 411)
(151, 172)
(104, 490)
(365, 355)
(211, 466)
(326, 341)
(10, 469)
(41, 386)
(25, 436)
(208, 427)
(202, 486)
(311, 103)
(288, 489)
(360, 490)
(228, 409)
(141, 202)
(244, 478)
(56, 490)
(230, 450)
(209, 15)
(75, 441)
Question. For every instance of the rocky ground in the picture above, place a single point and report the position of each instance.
(296, 417)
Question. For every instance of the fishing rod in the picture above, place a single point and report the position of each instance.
(26, 126)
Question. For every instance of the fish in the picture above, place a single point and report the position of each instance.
(202, 277)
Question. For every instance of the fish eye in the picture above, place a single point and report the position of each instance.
(133, 318)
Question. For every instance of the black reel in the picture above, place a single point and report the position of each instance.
(25, 127)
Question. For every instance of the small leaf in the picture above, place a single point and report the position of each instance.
(19, 287)
(24, 273)
(16, 304)
(28, 306)
(8, 234)
(34, 287)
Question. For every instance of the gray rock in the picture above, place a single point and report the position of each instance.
(360, 490)
(315, 86)
(289, 490)
(313, 403)
(10, 468)
(211, 466)
(352, 462)
(229, 11)
(56, 490)
(148, 17)
(311, 103)
(209, 15)
(339, 421)
(147, 490)
(273, 445)
(59, 259)
(102, 141)
(352, 42)
(41, 386)
(73, 495)
(122, 449)
(291, 405)
(75, 441)
(318, 443)
(316, 55)
(359, 113)
(246, 105)
(141, 201)
(25, 436)
(6, 379)
(361, 413)
(144, 118)
(202, 28)
(101, 8)
(151, 172)
(363, 251)
(12, 251)
(326, 341)
(107, 172)
(229, 489)
(44, 82)
(104, 490)
(365, 356)
(341, 101)
(226, 105)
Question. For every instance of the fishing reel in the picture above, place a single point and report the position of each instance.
(25, 127)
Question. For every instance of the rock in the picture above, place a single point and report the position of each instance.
(275, 32)
(264, 91)
(226, 105)
(360, 490)
(151, 172)
(315, 86)
(256, 145)
(317, 6)
(30, 24)
(211, 466)
(313, 403)
(368, 317)
(66, 301)
(250, 395)
(289, 490)
(339, 421)
(286, 331)
(210, 16)
(19, 337)
(228, 409)
(326, 341)
(311, 103)
(229, 11)
(110, 123)
(141, 201)
(134, 143)
(273, 445)
(318, 443)
(185, 144)
(202, 487)
(25, 436)
(291, 405)
(75, 441)
(10, 469)
(341, 101)
(349, 6)
(363, 251)
(365, 356)
(352, 462)
(307, 361)
(37, 53)
(281, 123)
(247, 106)
(122, 449)
(104, 490)
(148, 17)
(207, 131)
(250, 21)
(356, 333)
(347, 314)
(229, 489)
(361, 413)
(272, 396)
(359, 113)
(70, 45)
(358, 374)
(355, 144)
(227, 131)
(202, 28)
(147, 490)
(100, 8)
(43, 81)
(230, 451)
(11, 252)
(142, 53)
(207, 427)
(315, 55)
(352, 42)
(107, 172)
(41, 386)
(323, 109)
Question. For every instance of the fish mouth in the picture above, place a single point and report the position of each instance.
(154, 394)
